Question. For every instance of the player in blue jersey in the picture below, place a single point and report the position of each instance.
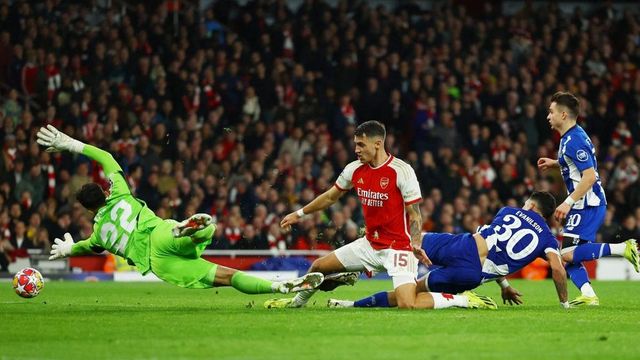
(585, 206)
(515, 238)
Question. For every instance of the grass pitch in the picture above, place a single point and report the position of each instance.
(106, 320)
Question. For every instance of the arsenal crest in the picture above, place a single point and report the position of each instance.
(384, 182)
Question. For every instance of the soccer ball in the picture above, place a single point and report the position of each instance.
(28, 282)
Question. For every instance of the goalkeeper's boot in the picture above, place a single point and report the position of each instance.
(335, 303)
(278, 303)
(480, 301)
(308, 282)
(631, 253)
(189, 226)
(585, 300)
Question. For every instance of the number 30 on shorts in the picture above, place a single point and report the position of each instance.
(400, 259)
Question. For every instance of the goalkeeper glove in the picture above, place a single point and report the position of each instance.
(61, 248)
(57, 141)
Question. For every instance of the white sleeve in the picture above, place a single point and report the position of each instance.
(408, 184)
(552, 246)
(344, 181)
(551, 250)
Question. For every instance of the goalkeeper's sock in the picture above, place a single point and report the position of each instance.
(250, 284)
(302, 298)
(444, 300)
(586, 252)
(580, 279)
(380, 299)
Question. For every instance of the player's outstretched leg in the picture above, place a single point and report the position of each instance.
(590, 251)
(302, 285)
(298, 301)
(279, 303)
(309, 281)
(631, 253)
(476, 301)
(253, 285)
(381, 299)
(327, 264)
(332, 281)
(337, 303)
(191, 225)
(424, 300)
(627, 249)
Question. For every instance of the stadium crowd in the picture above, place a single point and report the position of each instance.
(248, 112)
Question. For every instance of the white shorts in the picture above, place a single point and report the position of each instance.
(401, 265)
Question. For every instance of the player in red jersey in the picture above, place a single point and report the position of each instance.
(389, 193)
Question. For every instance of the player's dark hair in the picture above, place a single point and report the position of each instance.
(91, 196)
(371, 128)
(569, 101)
(545, 201)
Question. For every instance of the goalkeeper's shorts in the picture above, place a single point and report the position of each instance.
(177, 260)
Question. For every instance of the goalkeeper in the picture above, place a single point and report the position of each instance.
(126, 227)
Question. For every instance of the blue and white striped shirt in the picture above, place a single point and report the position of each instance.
(577, 154)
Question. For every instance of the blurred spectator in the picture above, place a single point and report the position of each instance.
(80, 178)
(252, 239)
(609, 229)
(295, 146)
(19, 239)
(629, 229)
(5, 249)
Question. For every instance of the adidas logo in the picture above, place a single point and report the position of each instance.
(360, 181)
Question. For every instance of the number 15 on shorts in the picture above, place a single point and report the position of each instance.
(400, 259)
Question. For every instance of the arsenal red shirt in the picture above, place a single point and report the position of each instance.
(384, 191)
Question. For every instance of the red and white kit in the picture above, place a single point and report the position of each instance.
(384, 191)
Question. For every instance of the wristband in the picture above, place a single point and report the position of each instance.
(504, 283)
(565, 305)
(300, 212)
(569, 201)
(76, 146)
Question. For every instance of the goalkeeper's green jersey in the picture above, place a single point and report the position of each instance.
(123, 225)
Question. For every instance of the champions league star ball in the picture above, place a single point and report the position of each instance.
(28, 282)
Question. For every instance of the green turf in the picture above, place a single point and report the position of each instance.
(105, 320)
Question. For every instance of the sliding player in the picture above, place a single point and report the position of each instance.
(126, 227)
(515, 238)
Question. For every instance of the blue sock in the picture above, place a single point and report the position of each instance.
(376, 300)
(577, 274)
(590, 251)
